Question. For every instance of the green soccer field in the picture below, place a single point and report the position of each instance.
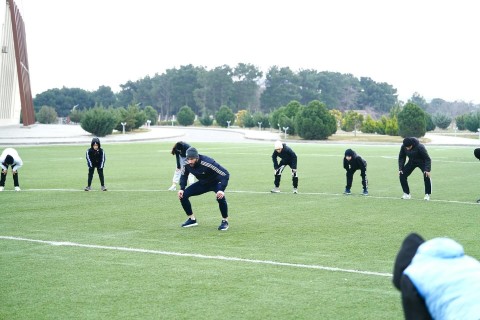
(121, 254)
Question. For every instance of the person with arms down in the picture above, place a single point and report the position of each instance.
(10, 158)
(417, 158)
(476, 152)
(351, 163)
(287, 157)
(212, 177)
(95, 159)
(437, 280)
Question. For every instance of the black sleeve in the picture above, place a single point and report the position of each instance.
(426, 157)
(413, 304)
(345, 163)
(402, 156)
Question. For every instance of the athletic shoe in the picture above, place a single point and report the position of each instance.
(275, 190)
(223, 226)
(190, 223)
(172, 188)
(427, 197)
(365, 192)
(347, 191)
(17, 188)
(87, 188)
(295, 190)
(104, 188)
(406, 196)
(478, 201)
(2, 188)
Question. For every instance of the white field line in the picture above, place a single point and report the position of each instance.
(195, 255)
(257, 192)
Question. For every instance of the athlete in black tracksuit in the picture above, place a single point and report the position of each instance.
(288, 157)
(95, 159)
(417, 158)
(211, 177)
(353, 162)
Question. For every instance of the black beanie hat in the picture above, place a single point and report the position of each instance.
(192, 153)
(476, 152)
(407, 142)
(349, 152)
(9, 160)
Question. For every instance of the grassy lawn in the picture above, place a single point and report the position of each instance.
(121, 254)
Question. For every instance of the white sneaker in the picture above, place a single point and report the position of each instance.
(406, 196)
(275, 190)
(427, 197)
(172, 188)
(2, 188)
(295, 190)
(17, 188)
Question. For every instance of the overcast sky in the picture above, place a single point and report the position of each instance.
(425, 46)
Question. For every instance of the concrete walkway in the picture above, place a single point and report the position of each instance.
(43, 134)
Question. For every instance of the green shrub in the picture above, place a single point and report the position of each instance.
(185, 116)
(315, 122)
(98, 121)
(47, 115)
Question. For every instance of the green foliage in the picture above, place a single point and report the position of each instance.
(223, 115)
(369, 125)
(352, 120)
(315, 122)
(151, 114)
(242, 115)
(441, 120)
(411, 121)
(285, 116)
(391, 126)
(206, 120)
(460, 122)
(132, 116)
(46, 115)
(472, 121)
(98, 121)
(429, 125)
(260, 117)
(76, 115)
(63, 100)
(185, 116)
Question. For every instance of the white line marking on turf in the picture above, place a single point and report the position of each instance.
(262, 192)
(195, 255)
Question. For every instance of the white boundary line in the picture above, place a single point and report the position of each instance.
(195, 255)
(259, 192)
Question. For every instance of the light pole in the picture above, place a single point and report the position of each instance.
(228, 123)
(259, 125)
(173, 120)
(123, 125)
(285, 129)
(279, 128)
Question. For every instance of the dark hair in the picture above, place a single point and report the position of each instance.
(476, 152)
(408, 142)
(9, 160)
(349, 152)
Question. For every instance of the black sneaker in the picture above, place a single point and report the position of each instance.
(347, 191)
(223, 226)
(190, 223)
(87, 188)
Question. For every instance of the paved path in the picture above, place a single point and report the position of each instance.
(41, 134)
(73, 134)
